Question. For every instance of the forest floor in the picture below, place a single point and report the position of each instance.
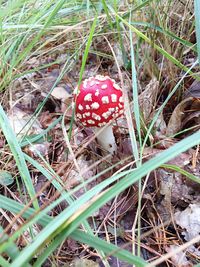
(61, 193)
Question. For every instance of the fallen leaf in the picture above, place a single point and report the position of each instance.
(189, 219)
(160, 125)
(74, 177)
(181, 112)
(40, 149)
(179, 259)
(193, 90)
(166, 183)
(23, 124)
(147, 99)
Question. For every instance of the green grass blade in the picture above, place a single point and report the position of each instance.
(85, 55)
(3, 262)
(109, 249)
(107, 13)
(13, 251)
(60, 222)
(95, 242)
(158, 48)
(138, 7)
(78, 235)
(163, 105)
(136, 112)
(183, 172)
(165, 32)
(87, 48)
(18, 155)
(58, 184)
(41, 135)
(33, 42)
(197, 20)
(136, 108)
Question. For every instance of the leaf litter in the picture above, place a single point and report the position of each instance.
(169, 194)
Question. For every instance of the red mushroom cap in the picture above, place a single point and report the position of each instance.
(98, 101)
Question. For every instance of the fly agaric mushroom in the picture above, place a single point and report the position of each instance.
(99, 100)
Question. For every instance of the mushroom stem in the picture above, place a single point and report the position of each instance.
(106, 138)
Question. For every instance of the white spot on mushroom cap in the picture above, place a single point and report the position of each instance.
(111, 109)
(88, 97)
(85, 83)
(92, 83)
(80, 107)
(104, 86)
(116, 86)
(114, 98)
(87, 114)
(78, 115)
(121, 99)
(95, 105)
(115, 115)
(120, 105)
(101, 77)
(105, 100)
(87, 107)
(91, 122)
(101, 124)
(97, 92)
(96, 116)
(106, 114)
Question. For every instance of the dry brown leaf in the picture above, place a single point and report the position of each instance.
(178, 115)
(193, 90)
(160, 126)
(147, 99)
(166, 183)
(74, 178)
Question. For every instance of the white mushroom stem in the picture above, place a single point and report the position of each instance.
(106, 139)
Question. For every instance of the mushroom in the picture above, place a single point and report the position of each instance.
(61, 94)
(99, 100)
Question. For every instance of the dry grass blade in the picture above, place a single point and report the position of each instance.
(61, 195)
